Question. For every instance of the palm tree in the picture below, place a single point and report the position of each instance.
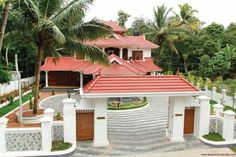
(53, 26)
(6, 5)
(160, 30)
(122, 18)
(186, 18)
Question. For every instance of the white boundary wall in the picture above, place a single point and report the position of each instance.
(13, 85)
(221, 98)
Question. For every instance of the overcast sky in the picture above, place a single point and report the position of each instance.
(219, 11)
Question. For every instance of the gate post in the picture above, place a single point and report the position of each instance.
(228, 126)
(202, 115)
(69, 120)
(3, 124)
(100, 123)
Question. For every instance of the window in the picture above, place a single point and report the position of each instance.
(125, 54)
(137, 55)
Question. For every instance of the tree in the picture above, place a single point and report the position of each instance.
(138, 26)
(4, 21)
(122, 18)
(160, 30)
(53, 26)
(186, 18)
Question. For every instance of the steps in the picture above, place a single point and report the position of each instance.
(137, 131)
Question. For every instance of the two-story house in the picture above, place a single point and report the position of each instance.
(128, 55)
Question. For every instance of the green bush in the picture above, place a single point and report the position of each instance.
(58, 116)
(53, 91)
(5, 76)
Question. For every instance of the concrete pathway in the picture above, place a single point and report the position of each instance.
(138, 132)
(214, 152)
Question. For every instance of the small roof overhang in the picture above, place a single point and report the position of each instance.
(144, 94)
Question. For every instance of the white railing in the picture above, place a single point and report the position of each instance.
(13, 85)
(221, 98)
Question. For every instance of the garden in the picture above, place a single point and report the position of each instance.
(119, 105)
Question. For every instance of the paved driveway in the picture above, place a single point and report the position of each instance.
(137, 132)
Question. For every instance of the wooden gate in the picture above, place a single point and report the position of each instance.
(189, 120)
(84, 125)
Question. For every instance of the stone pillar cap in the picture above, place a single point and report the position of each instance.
(229, 113)
(49, 110)
(69, 100)
(202, 97)
(3, 121)
(45, 120)
(218, 106)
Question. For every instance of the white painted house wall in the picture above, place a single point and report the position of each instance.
(146, 52)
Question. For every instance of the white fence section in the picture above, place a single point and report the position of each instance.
(223, 125)
(27, 139)
(13, 85)
(221, 98)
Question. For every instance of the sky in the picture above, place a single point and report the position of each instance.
(219, 11)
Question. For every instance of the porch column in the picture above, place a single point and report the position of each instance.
(228, 126)
(121, 53)
(81, 82)
(100, 123)
(46, 78)
(176, 119)
(3, 125)
(202, 117)
(69, 120)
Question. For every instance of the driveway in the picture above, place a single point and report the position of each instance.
(138, 132)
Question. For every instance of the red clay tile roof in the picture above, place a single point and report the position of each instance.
(60, 64)
(124, 41)
(147, 65)
(138, 84)
(119, 67)
(115, 26)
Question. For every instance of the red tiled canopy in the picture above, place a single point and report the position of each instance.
(138, 84)
(119, 67)
(138, 42)
(146, 65)
(115, 26)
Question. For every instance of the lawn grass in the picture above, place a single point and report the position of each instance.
(8, 108)
(214, 137)
(60, 145)
(233, 148)
(128, 106)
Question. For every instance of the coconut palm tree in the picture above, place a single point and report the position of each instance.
(5, 4)
(160, 30)
(54, 26)
(186, 18)
(122, 18)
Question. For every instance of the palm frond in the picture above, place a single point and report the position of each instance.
(88, 31)
(32, 9)
(72, 13)
(49, 7)
(49, 31)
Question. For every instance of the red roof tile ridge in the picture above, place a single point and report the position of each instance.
(187, 82)
(91, 84)
(126, 64)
